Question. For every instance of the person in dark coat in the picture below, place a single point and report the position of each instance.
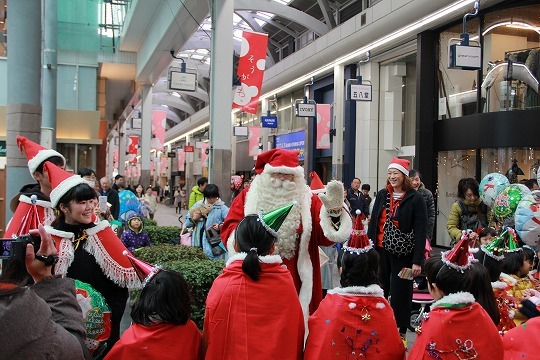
(406, 211)
(112, 196)
(356, 198)
(418, 185)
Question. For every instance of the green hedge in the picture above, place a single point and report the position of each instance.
(149, 222)
(193, 264)
(163, 234)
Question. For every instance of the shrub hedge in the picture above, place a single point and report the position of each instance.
(163, 234)
(149, 222)
(193, 264)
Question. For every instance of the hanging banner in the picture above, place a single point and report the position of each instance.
(138, 169)
(159, 119)
(133, 146)
(254, 136)
(323, 126)
(163, 166)
(250, 71)
(204, 153)
(181, 156)
(115, 159)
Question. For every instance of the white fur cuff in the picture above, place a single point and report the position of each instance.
(342, 233)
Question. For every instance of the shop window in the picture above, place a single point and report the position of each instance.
(78, 156)
(452, 166)
(517, 164)
(511, 67)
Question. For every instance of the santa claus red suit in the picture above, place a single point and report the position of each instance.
(237, 306)
(280, 181)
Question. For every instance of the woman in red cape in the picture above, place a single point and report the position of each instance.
(252, 309)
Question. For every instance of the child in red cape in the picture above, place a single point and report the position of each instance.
(457, 327)
(355, 321)
(252, 309)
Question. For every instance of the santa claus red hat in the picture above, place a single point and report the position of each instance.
(61, 181)
(359, 242)
(400, 164)
(279, 161)
(144, 270)
(35, 153)
(316, 185)
(458, 258)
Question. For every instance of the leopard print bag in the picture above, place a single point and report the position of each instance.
(395, 241)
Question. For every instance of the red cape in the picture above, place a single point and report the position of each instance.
(253, 320)
(23, 208)
(338, 331)
(465, 322)
(162, 341)
(522, 341)
(236, 213)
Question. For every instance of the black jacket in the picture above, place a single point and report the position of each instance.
(114, 200)
(411, 215)
(357, 202)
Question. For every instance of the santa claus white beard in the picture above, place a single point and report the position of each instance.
(272, 194)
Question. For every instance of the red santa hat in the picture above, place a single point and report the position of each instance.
(400, 164)
(316, 185)
(35, 153)
(61, 181)
(144, 270)
(458, 258)
(279, 161)
(359, 242)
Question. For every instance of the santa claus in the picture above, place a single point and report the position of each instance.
(315, 220)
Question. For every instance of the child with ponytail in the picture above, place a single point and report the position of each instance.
(252, 309)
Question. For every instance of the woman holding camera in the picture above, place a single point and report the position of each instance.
(207, 213)
(89, 252)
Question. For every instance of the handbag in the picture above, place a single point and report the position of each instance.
(185, 236)
(214, 239)
(395, 241)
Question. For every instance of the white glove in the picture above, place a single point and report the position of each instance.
(333, 199)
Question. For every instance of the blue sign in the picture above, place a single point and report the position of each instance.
(269, 121)
(292, 141)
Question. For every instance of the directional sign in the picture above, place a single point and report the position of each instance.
(306, 110)
(189, 148)
(360, 92)
(269, 121)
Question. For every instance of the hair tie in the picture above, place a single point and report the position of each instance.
(253, 249)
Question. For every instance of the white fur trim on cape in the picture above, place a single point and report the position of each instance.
(296, 171)
(499, 285)
(371, 290)
(508, 279)
(267, 259)
(40, 157)
(64, 187)
(454, 299)
(304, 264)
(48, 212)
(342, 233)
(65, 250)
(26, 199)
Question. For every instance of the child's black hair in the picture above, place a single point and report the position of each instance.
(211, 190)
(86, 172)
(165, 299)
(482, 291)
(487, 231)
(513, 261)
(493, 266)
(252, 238)
(359, 269)
(448, 280)
(77, 193)
(56, 160)
(529, 254)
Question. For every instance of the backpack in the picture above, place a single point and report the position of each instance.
(472, 221)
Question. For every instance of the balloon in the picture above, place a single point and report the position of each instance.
(128, 202)
(96, 314)
(527, 219)
(490, 186)
(506, 202)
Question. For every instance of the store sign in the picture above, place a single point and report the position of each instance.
(189, 148)
(292, 141)
(136, 123)
(465, 57)
(182, 81)
(306, 110)
(3, 149)
(269, 121)
(171, 154)
(360, 92)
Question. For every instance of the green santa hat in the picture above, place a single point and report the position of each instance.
(495, 249)
(273, 220)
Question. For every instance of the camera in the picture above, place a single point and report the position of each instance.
(15, 249)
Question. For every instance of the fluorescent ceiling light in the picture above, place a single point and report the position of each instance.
(512, 24)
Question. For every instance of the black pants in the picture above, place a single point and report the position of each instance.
(401, 290)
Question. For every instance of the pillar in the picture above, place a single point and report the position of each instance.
(50, 69)
(146, 134)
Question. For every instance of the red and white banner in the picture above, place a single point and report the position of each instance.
(133, 146)
(204, 155)
(159, 119)
(139, 169)
(250, 71)
(254, 137)
(323, 126)
(181, 156)
(163, 166)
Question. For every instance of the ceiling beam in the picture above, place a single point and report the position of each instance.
(274, 23)
(327, 13)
